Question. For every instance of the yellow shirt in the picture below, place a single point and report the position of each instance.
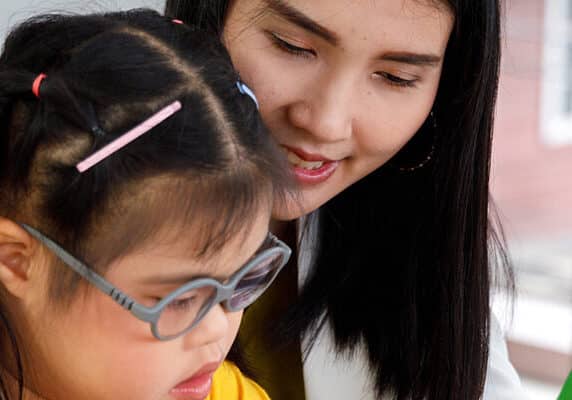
(230, 384)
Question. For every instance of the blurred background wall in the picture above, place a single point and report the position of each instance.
(12, 11)
(532, 186)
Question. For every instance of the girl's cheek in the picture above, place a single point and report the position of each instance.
(233, 324)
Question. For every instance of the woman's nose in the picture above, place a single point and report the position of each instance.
(325, 110)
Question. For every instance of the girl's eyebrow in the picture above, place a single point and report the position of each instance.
(178, 279)
(297, 17)
(185, 277)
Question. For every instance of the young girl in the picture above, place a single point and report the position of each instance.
(136, 187)
(385, 109)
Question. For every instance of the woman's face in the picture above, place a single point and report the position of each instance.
(342, 84)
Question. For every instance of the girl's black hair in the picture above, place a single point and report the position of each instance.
(211, 166)
(408, 272)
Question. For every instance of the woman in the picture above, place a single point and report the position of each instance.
(385, 109)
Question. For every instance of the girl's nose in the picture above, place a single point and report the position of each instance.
(213, 328)
(325, 110)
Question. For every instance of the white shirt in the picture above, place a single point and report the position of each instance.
(329, 375)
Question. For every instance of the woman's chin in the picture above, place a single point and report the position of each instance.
(281, 213)
(294, 206)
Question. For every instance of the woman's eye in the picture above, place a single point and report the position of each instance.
(395, 80)
(288, 47)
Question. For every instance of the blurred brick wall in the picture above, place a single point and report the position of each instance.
(532, 182)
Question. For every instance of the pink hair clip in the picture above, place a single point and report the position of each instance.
(177, 21)
(37, 83)
(128, 137)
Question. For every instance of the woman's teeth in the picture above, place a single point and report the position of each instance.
(297, 161)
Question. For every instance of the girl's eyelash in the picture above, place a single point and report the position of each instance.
(288, 47)
(177, 304)
(181, 304)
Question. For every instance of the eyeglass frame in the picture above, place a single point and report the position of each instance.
(151, 315)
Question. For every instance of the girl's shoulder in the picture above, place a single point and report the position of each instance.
(230, 384)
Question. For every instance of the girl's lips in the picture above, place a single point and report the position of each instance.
(196, 387)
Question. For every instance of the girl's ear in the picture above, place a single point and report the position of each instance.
(16, 251)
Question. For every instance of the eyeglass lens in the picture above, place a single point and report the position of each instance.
(191, 306)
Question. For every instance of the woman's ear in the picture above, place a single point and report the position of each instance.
(16, 251)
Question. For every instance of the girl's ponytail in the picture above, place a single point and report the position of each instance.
(15, 87)
(47, 99)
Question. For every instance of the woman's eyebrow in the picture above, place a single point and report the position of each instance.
(297, 17)
(412, 58)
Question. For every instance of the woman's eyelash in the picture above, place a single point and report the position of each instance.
(283, 45)
(396, 80)
(288, 47)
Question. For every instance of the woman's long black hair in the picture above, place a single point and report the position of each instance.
(407, 272)
(210, 167)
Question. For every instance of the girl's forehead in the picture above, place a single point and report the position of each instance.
(172, 253)
(183, 216)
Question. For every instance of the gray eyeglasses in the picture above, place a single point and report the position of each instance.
(182, 310)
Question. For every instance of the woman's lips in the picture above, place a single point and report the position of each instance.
(196, 387)
(310, 168)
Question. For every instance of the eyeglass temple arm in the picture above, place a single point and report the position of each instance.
(87, 273)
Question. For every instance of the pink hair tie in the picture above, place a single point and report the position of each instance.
(37, 83)
(129, 136)
(177, 21)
